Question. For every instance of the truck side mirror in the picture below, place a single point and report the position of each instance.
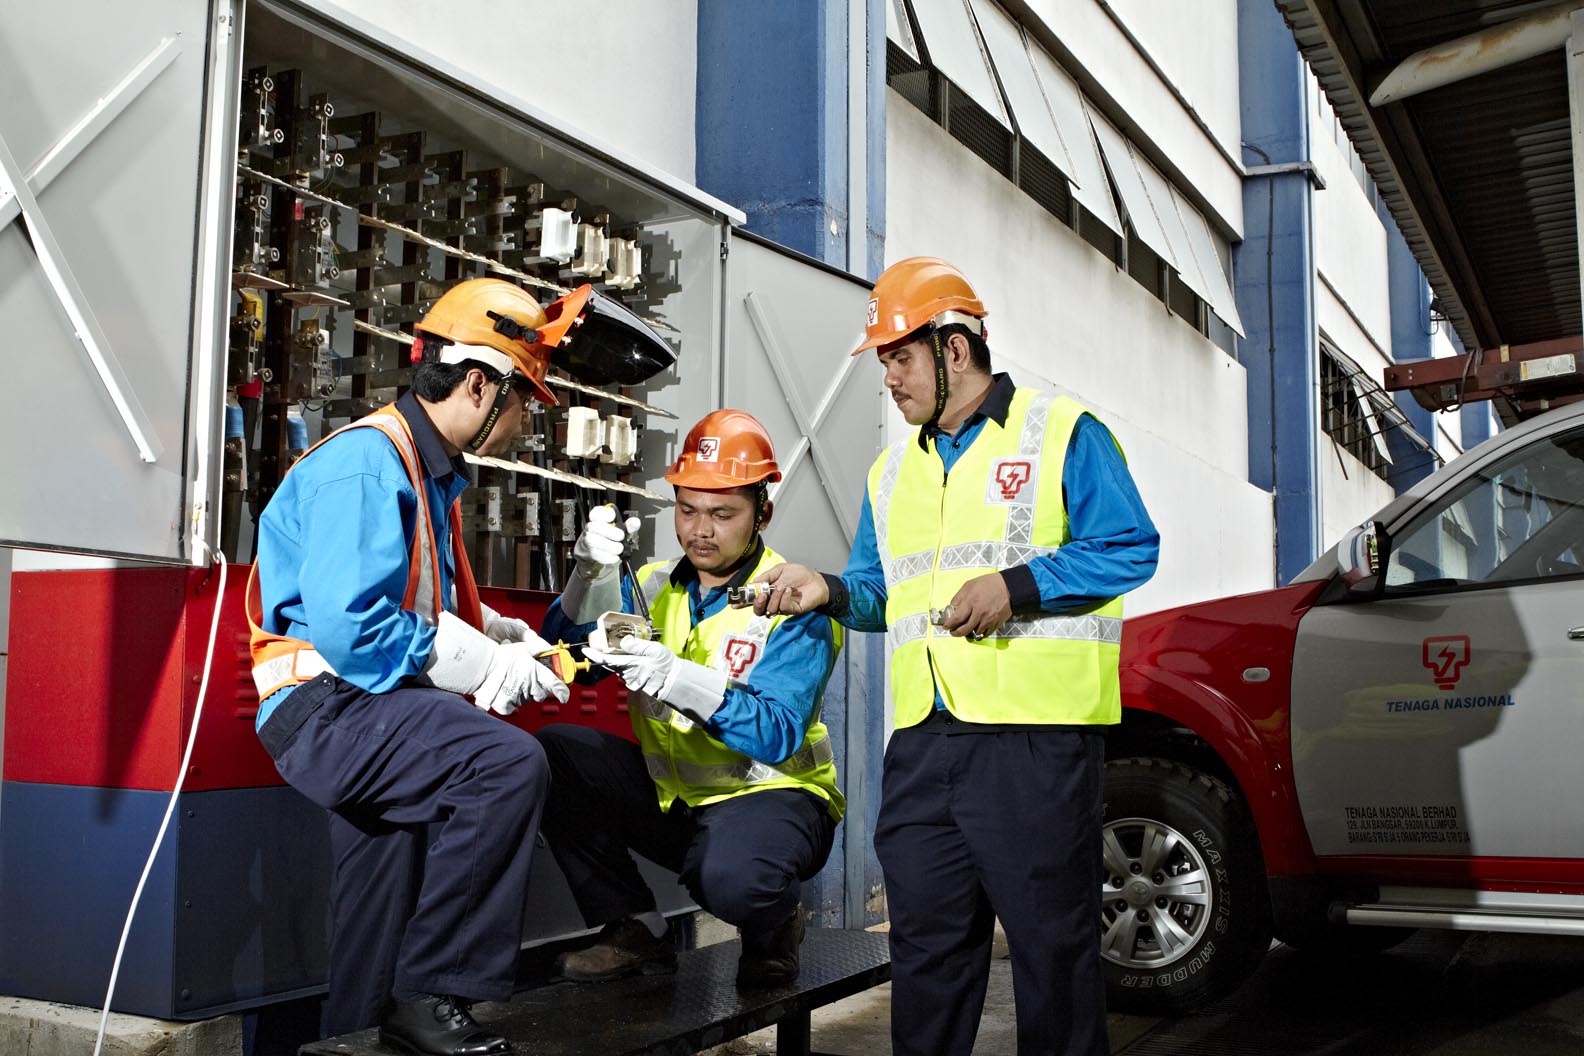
(1361, 559)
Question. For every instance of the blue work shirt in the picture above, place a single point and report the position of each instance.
(768, 717)
(335, 549)
(1114, 546)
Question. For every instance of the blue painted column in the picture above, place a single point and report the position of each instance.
(780, 134)
(1275, 273)
(1410, 341)
(772, 120)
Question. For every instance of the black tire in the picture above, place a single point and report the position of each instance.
(1201, 873)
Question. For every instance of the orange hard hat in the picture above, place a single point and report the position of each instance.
(917, 291)
(501, 325)
(726, 449)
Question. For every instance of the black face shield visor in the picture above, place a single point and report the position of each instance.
(610, 345)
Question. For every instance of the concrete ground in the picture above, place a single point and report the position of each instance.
(38, 1028)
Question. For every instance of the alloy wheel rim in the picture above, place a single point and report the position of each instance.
(1155, 897)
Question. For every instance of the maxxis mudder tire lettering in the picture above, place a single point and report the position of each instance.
(1185, 910)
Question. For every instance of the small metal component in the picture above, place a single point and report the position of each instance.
(747, 594)
(566, 515)
(938, 617)
(613, 629)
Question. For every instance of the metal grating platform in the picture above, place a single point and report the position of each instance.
(672, 1015)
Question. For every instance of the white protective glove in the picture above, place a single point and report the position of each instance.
(654, 670)
(596, 585)
(510, 629)
(500, 676)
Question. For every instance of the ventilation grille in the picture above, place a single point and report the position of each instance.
(1044, 183)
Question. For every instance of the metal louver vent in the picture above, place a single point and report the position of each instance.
(1043, 182)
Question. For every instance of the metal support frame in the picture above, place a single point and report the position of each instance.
(19, 197)
(1530, 378)
(808, 425)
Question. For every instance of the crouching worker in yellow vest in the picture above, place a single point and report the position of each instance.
(731, 783)
(367, 637)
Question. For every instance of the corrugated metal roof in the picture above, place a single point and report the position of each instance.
(1478, 174)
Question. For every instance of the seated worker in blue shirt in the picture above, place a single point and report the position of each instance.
(732, 783)
(367, 636)
(993, 548)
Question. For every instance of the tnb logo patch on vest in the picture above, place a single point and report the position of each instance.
(1013, 482)
(740, 655)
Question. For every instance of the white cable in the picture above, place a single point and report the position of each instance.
(170, 808)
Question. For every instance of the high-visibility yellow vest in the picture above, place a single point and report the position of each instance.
(280, 660)
(685, 762)
(1000, 506)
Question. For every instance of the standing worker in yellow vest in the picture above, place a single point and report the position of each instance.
(731, 782)
(993, 548)
(367, 634)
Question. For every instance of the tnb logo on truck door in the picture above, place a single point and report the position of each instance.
(1010, 480)
(1446, 656)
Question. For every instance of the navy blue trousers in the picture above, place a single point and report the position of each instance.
(744, 859)
(434, 806)
(976, 826)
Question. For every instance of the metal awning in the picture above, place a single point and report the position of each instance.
(1478, 172)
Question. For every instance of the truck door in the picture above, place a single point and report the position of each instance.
(1443, 717)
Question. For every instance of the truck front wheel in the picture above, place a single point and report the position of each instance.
(1185, 915)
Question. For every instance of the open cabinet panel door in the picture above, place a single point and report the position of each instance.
(102, 137)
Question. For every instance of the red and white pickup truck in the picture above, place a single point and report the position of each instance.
(1391, 741)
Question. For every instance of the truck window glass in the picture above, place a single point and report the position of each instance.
(1519, 519)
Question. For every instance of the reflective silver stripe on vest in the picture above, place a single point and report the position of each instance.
(1088, 628)
(909, 565)
(991, 555)
(743, 772)
(297, 666)
(1033, 439)
(907, 629)
(649, 707)
(424, 601)
(653, 584)
(881, 502)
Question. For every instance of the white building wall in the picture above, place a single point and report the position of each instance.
(1195, 46)
(623, 72)
(1350, 241)
(1064, 318)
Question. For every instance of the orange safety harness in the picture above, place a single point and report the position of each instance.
(280, 661)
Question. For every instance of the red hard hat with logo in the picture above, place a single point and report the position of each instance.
(726, 449)
(918, 291)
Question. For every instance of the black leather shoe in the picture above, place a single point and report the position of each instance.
(438, 1026)
(770, 958)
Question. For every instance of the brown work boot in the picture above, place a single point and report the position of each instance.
(624, 947)
(770, 958)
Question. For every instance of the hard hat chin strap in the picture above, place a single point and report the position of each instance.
(502, 394)
(940, 379)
